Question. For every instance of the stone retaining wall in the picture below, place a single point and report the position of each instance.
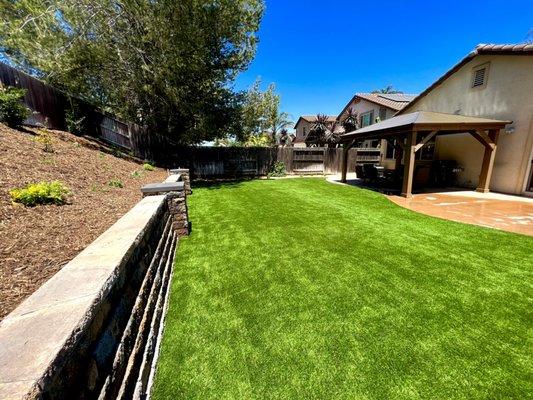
(92, 331)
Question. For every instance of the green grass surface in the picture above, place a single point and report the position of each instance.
(302, 289)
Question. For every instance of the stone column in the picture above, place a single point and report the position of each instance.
(176, 198)
(185, 176)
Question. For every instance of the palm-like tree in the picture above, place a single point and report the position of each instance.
(350, 120)
(388, 90)
(278, 122)
(323, 132)
(318, 131)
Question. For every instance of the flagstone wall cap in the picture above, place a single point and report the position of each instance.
(34, 335)
(163, 187)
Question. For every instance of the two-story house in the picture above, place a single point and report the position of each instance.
(375, 107)
(304, 125)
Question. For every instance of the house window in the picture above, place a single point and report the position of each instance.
(382, 113)
(305, 131)
(367, 119)
(480, 75)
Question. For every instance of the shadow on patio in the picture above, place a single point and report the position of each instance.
(492, 210)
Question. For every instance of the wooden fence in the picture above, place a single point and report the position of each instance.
(233, 162)
(50, 107)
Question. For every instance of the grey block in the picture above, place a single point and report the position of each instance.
(163, 187)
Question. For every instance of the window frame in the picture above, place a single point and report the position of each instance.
(370, 114)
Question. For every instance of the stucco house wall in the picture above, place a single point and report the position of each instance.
(508, 94)
(302, 123)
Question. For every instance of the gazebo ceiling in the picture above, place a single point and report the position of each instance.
(424, 121)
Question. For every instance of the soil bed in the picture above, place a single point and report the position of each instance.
(37, 241)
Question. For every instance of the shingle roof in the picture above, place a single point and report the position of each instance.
(480, 49)
(424, 120)
(312, 118)
(503, 48)
(388, 100)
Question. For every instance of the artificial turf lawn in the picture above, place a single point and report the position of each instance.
(302, 289)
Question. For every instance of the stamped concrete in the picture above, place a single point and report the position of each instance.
(37, 331)
(491, 210)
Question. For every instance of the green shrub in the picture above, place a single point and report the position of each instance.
(136, 174)
(12, 110)
(278, 169)
(115, 183)
(40, 193)
(148, 167)
(75, 119)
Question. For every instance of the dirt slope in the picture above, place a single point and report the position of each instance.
(36, 242)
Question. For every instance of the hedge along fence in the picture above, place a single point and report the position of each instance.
(93, 330)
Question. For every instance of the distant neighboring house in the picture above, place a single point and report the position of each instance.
(493, 81)
(375, 107)
(303, 125)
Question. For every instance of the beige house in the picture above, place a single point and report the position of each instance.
(493, 81)
(375, 107)
(304, 125)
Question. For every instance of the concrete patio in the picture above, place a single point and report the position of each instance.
(491, 210)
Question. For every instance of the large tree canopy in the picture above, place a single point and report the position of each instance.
(165, 64)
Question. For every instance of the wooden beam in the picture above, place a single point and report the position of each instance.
(409, 165)
(488, 161)
(344, 161)
(483, 138)
(424, 141)
(398, 154)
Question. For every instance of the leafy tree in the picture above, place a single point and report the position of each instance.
(388, 90)
(261, 113)
(165, 64)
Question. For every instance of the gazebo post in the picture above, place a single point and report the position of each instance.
(344, 161)
(409, 165)
(488, 161)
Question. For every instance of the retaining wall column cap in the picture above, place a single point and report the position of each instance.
(163, 187)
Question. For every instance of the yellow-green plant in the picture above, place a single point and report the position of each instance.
(54, 192)
(44, 137)
(148, 167)
(115, 183)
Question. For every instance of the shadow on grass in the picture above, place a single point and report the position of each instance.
(219, 183)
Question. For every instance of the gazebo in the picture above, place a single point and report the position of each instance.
(413, 131)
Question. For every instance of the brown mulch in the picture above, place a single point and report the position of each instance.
(35, 242)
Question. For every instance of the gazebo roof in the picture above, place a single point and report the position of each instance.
(424, 121)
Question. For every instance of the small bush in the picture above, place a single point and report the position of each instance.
(76, 121)
(278, 169)
(40, 193)
(136, 174)
(148, 167)
(115, 183)
(43, 137)
(12, 110)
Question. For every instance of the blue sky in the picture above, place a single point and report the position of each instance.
(319, 53)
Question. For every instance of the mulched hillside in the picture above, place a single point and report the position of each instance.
(36, 242)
